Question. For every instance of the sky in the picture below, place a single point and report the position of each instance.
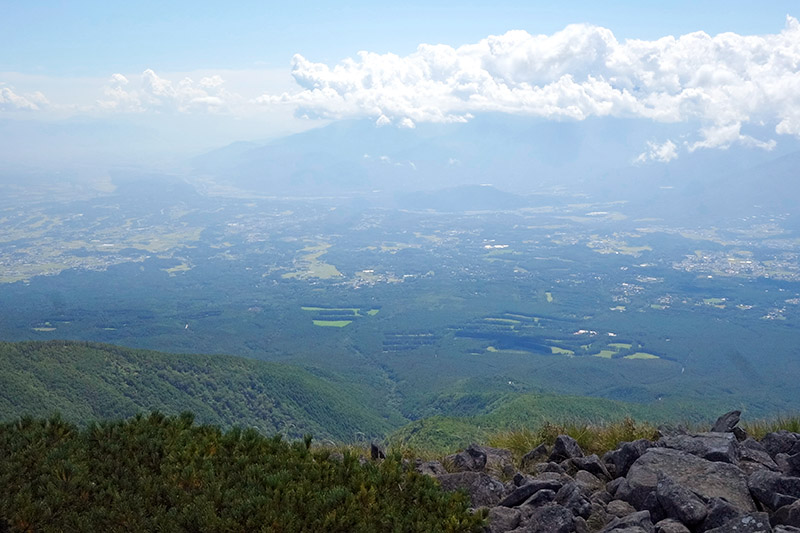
(209, 73)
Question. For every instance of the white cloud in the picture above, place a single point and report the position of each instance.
(662, 153)
(721, 82)
(160, 94)
(11, 101)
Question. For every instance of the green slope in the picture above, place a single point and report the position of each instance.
(88, 381)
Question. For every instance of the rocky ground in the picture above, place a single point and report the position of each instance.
(716, 481)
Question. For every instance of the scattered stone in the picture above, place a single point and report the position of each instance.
(640, 520)
(593, 465)
(550, 519)
(536, 455)
(726, 422)
(781, 442)
(502, 519)
(549, 467)
(622, 458)
(483, 490)
(670, 525)
(679, 502)
(748, 523)
(540, 498)
(720, 512)
(792, 465)
(518, 496)
(788, 515)
(574, 498)
(785, 529)
(619, 508)
(589, 482)
(565, 447)
(376, 452)
(430, 468)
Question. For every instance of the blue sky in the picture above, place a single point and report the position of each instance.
(96, 38)
(202, 74)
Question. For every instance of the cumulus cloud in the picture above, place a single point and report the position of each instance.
(662, 153)
(721, 82)
(155, 93)
(11, 101)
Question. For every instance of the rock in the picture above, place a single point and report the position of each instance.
(483, 490)
(614, 484)
(602, 497)
(781, 442)
(588, 482)
(549, 467)
(619, 508)
(705, 478)
(670, 525)
(720, 512)
(748, 523)
(740, 434)
(640, 520)
(752, 459)
(781, 529)
(483, 459)
(565, 447)
(711, 446)
(376, 452)
(593, 465)
(540, 498)
(536, 455)
(550, 519)
(793, 465)
(430, 468)
(598, 518)
(623, 457)
(518, 496)
(773, 489)
(678, 502)
(788, 515)
(502, 519)
(726, 422)
(574, 498)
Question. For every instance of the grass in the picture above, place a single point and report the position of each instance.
(561, 351)
(605, 354)
(549, 296)
(332, 323)
(620, 345)
(641, 355)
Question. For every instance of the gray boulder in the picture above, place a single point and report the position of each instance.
(670, 525)
(483, 490)
(621, 459)
(726, 422)
(564, 448)
(639, 521)
(788, 515)
(430, 468)
(589, 482)
(520, 494)
(540, 498)
(679, 503)
(773, 489)
(550, 519)
(536, 455)
(483, 459)
(619, 508)
(711, 446)
(707, 479)
(593, 465)
(720, 512)
(573, 497)
(502, 519)
(748, 523)
(781, 442)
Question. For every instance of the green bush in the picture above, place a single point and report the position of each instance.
(161, 473)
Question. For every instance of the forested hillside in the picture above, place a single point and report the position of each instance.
(87, 381)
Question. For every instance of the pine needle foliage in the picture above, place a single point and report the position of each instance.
(165, 473)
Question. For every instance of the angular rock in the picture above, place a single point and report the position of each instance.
(593, 465)
(726, 422)
(720, 512)
(640, 520)
(565, 447)
(619, 508)
(430, 468)
(589, 482)
(705, 478)
(748, 523)
(711, 446)
(785, 529)
(519, 495)
(574, 498)
(376, 452)
(550, 519)
(793, 465)
(483, 490)
(598, 518)
(614, 484)
(502, 519)
(541, 468)
(679, 503)
(788, 515)
(602, 497)
(622, 458)
(483, 458)
(773, 489)
(540, 498)
(757, 458)
(536, 455)
(670, 525)
(781, 442)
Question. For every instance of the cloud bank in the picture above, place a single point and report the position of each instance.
(724, 83)
(11, 101)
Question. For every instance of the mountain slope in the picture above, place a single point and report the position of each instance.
(85, 381)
